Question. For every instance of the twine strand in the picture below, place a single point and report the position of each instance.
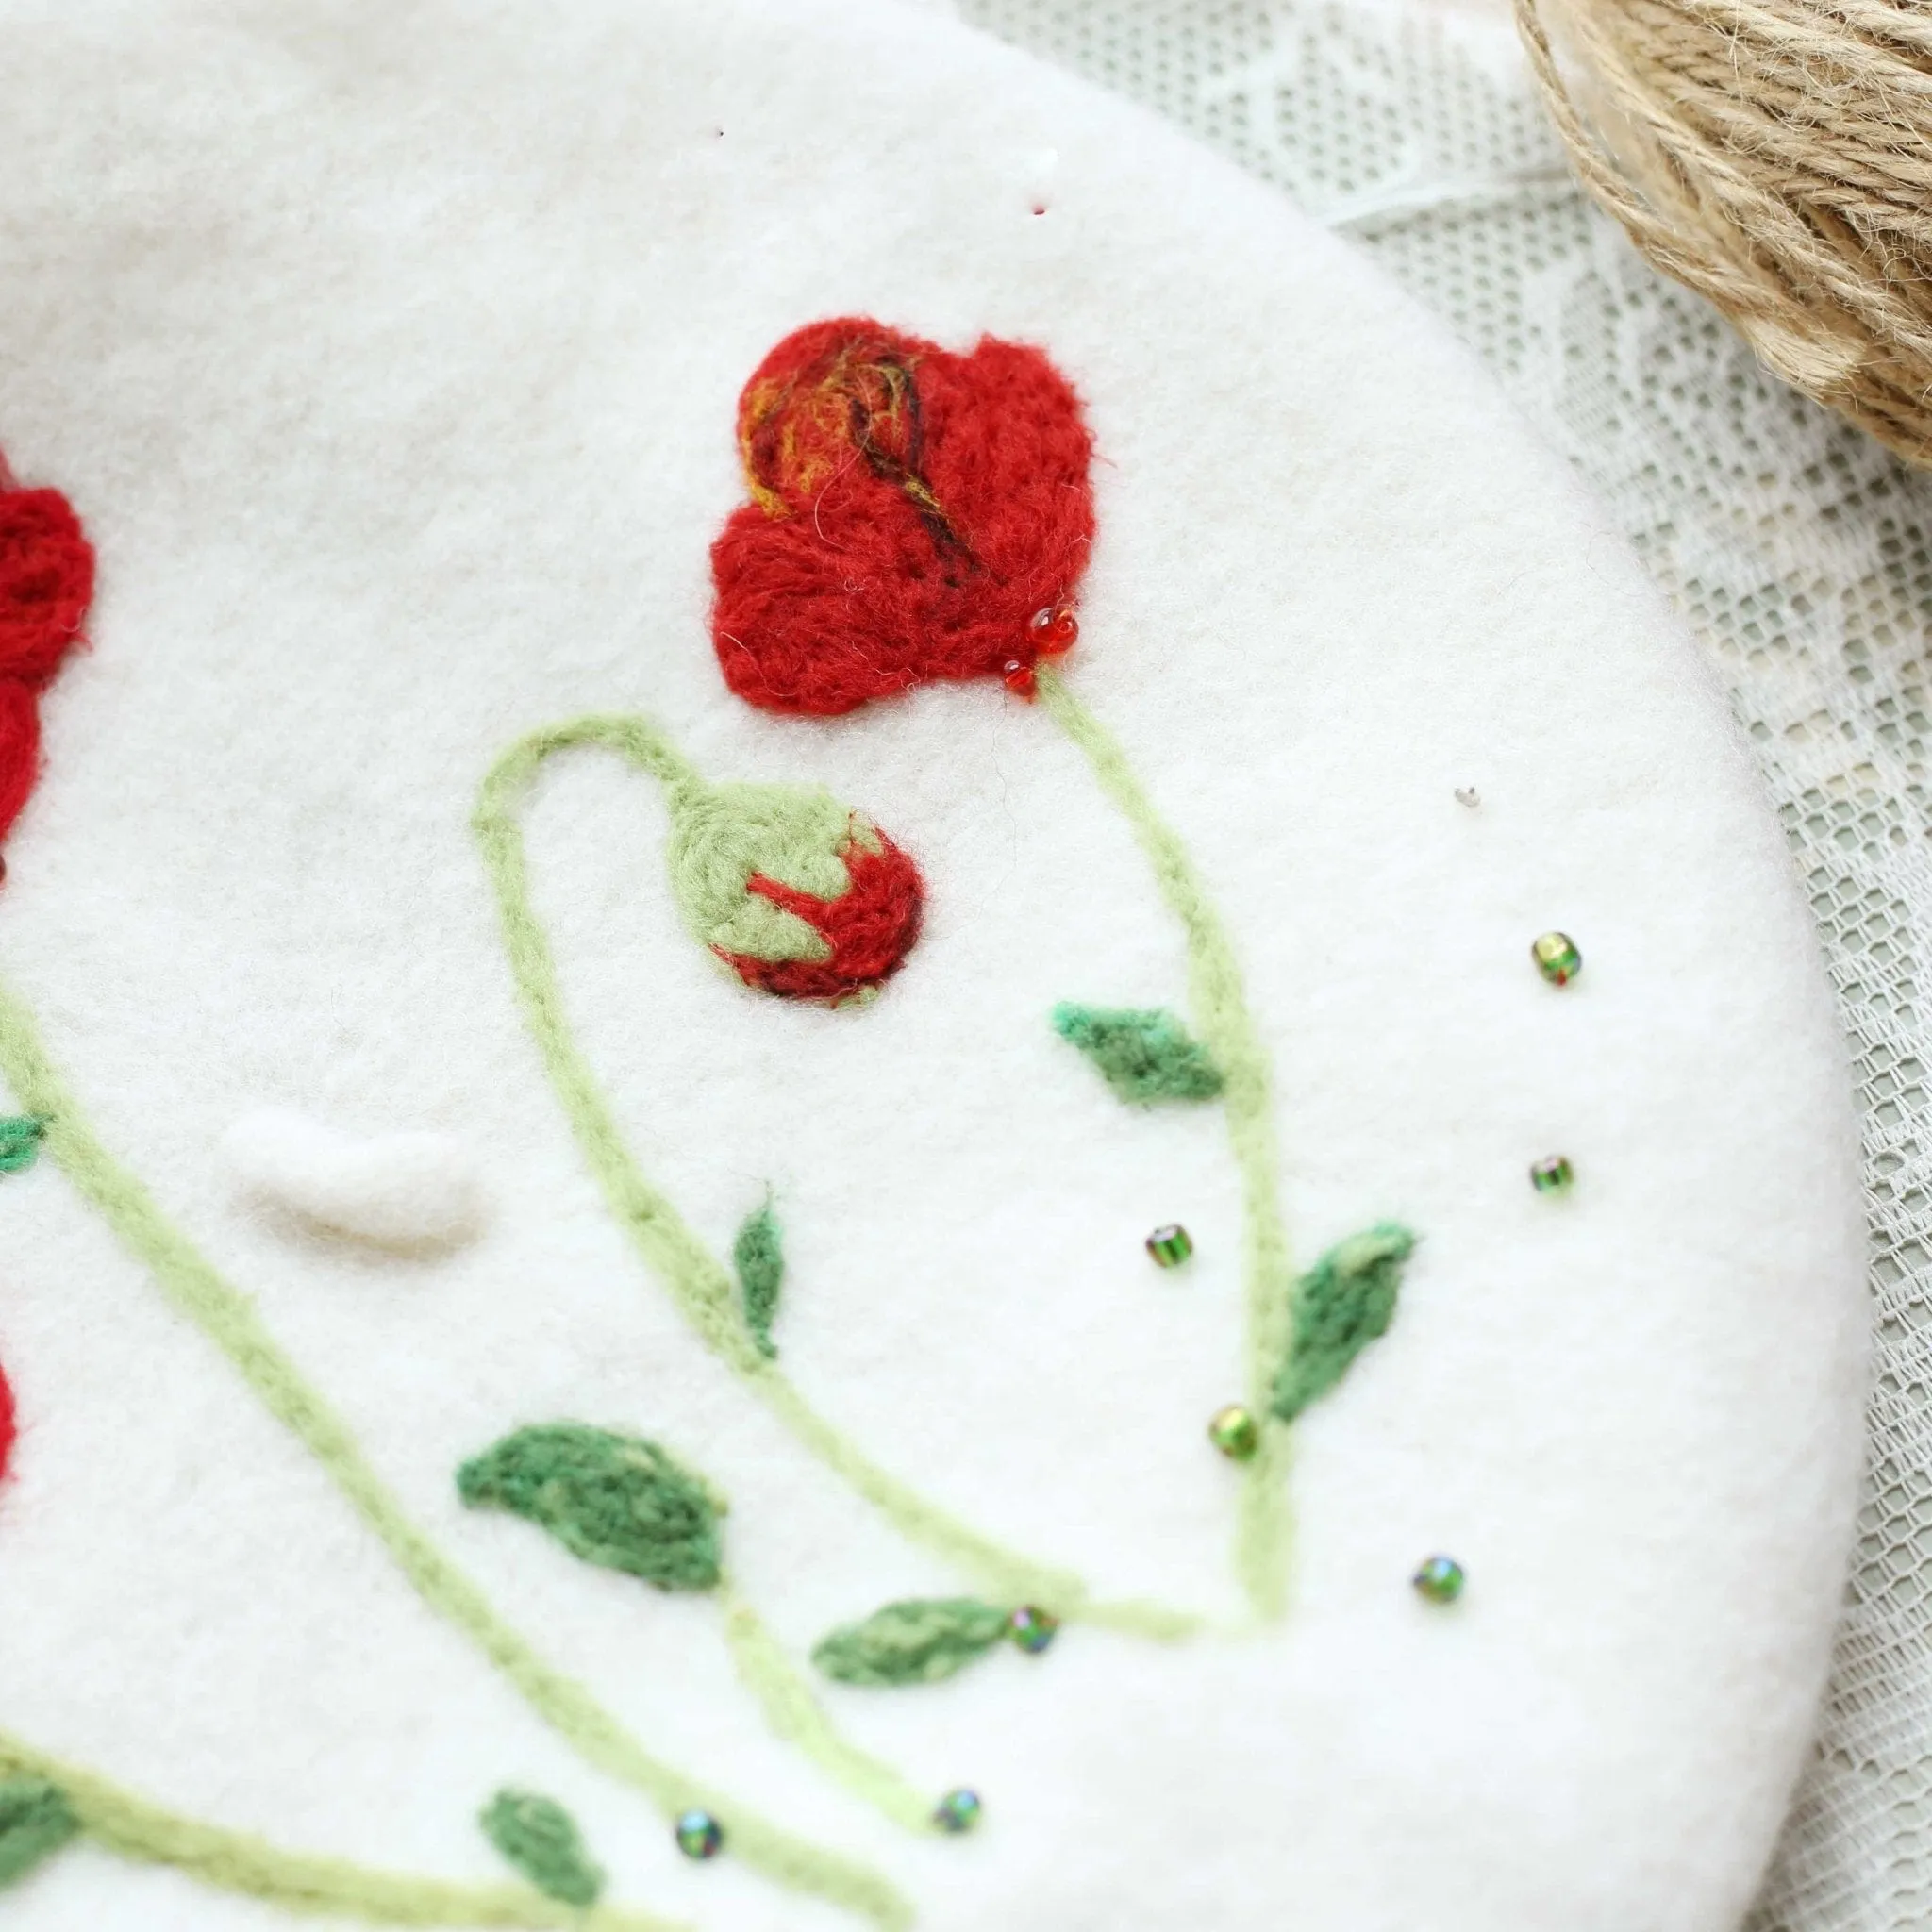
(1776, 155)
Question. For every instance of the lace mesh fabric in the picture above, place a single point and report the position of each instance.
(1799, 551)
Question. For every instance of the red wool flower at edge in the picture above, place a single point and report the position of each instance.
(46, 584)
(915, 515)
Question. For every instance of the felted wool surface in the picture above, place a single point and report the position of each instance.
(391, 359)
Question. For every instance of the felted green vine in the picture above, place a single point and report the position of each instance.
(47, 1805)
(699, 1285)
(230, 1320)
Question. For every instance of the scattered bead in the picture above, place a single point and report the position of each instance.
(1235, 1433)
(1033, 1629)
(1439, 1580)
(1552, 1175)
(1469, 795)
(699, 1835)
(1056, 628)
(957, 1810)
(1171, 1246)
(1557, 958)
(1018, 678)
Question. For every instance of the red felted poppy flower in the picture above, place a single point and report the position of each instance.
(914, 515)
(46, 583)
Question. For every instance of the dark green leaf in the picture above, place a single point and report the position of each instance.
(20, 1141)
(1340, 1305)
(610, 1499)
(36, 1821)
(918, 1641)
(540, 1838)
(760, 1258)
(1146, 1055)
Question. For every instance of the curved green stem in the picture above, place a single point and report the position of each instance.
(238, 1862)
(795, 1715)
(1221, 1016)
(228, 1318)
(696, 1281)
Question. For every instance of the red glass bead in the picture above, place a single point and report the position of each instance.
(1054, 628)
(1019, 678)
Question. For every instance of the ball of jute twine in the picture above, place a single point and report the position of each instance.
(1776, 157)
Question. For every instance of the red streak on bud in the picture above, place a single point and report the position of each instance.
(869, 926)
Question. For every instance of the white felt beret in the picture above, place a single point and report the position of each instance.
(395, 359)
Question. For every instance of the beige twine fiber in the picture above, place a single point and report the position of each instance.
(1776, 157)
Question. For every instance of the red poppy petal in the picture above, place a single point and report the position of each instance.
(913, 510)
(20, 748)
(46, 582)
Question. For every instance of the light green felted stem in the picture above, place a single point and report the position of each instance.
(235, 1861)
(795, 1715)
(700, 1286)
(1220, 1018)
(228, 1318)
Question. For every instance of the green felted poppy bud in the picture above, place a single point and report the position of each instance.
(797, 894)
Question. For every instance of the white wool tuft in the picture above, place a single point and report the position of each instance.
(414, 1189)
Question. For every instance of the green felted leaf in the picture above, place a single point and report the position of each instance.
(20, 1141)
(540, 1838)
(1146, 1054)
(918, 1641)
(36, 1821)
(1340, 1305)
(760, 1258)
(613, 1500)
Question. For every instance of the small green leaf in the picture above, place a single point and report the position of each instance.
(1340, 1305)
(20, 1141)
(36, 1821)
(1146, 1054)
(613, 1500)
(760, 1258)
(918, 1641)
(540, 1838)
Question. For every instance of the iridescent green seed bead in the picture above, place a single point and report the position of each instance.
(1235, 1433)
(1552, 1175)
(1557, 958)
(1032, 1628)
(699, 1835)
(1169, 1245)
(1439, 1580)
(957, 1811)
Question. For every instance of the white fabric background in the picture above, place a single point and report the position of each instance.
(1800, 551)
(397, 390)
